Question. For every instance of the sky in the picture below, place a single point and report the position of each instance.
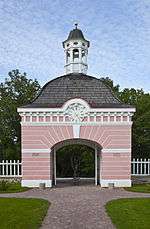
(32, 31)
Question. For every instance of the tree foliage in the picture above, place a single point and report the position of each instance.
(141, 119)
(16, 91)
(84, 156)
(110, 84)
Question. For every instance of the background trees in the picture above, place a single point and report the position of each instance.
(141, 119)
(18, 90)
(84, 155)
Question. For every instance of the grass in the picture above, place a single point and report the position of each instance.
(130, 213)
(13, 187)
(19, 213)
(139, 188)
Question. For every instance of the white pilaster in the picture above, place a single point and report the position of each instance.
(55, 167)
(95, 166)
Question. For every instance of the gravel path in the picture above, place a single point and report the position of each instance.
(77, 207)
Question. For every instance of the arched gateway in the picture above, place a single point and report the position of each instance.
(76, 107)
(94, 145)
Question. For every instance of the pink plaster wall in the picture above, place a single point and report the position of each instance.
(38, 165)
(108, 136)
(115, 165)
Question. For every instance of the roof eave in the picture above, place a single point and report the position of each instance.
(88, 42)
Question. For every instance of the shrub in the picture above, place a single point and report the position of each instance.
(4, 184)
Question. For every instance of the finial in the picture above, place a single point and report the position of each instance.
(76, 25)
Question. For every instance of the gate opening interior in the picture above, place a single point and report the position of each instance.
(76, 162)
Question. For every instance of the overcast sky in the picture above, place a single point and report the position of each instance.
(32, 31)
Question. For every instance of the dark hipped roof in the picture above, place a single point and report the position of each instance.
(76, 85)
(76, 34)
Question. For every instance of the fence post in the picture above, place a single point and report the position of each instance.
(10, 164)
(14, 167)
(137, 166)
(18, 167)
(148, 166)
(133, 166)
(6, 167)
(145, 163)
(3, 169)
(141, 169)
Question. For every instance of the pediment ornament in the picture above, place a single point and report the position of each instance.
(76, 112)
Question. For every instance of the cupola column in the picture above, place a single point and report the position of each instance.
(80, 55)
(80, 60)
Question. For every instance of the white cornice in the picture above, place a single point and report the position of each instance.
(28, 110)
(72, 123)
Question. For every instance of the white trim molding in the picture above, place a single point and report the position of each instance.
(116, 183)
(128, 150)
(36, 183)
(21, 110)
(80, 123)
(36, 150)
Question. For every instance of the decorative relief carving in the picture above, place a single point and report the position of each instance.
(35, 154)
(76, 112)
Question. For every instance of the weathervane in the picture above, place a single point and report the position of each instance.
(76, 25)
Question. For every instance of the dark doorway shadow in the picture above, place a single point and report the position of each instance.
(70, 183)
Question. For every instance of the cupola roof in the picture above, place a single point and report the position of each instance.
(76, 34)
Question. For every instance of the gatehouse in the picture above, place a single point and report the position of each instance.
(76, 108)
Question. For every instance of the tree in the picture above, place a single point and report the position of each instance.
(110, 83)
(75, 160)
(141, 119)
(16, 91)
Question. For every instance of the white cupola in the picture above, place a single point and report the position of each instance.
(76, 51)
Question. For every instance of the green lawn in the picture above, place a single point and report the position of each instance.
(139, 188)
(19, 213)
(12, 187)
(130, 213)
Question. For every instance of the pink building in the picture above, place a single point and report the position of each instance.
(81, 109)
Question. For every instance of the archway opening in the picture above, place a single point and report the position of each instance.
(76, 162)
(75, 55)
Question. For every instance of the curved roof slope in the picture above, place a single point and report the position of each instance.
(76, 34)
(76, 85)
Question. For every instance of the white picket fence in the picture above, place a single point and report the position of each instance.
(139, 167)
(10, 168)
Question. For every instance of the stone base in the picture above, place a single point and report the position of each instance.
(36, 183)
(117, 183)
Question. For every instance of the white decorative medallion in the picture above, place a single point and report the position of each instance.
(76, 112)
